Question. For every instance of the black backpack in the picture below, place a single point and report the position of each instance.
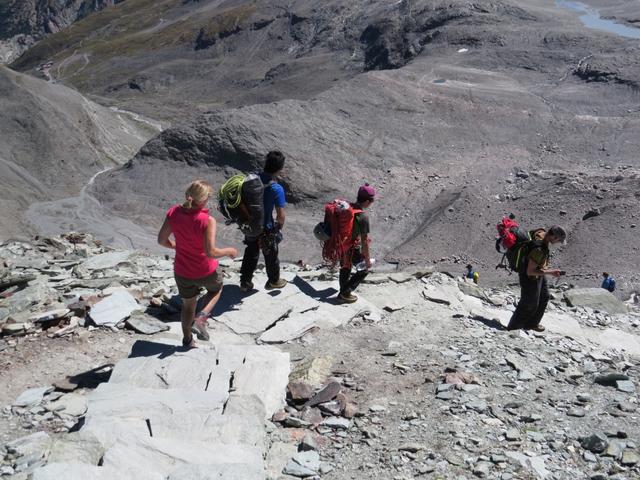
(241, 201)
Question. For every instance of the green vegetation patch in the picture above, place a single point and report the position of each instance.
(129, 28)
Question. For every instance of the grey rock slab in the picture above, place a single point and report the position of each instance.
(107, 260)
(303, 464)
(436, 296)
(114, 308)
(279, 455)
(72, 404)
(576, 412)
(614, 449)
(512, 434)
(24, 299)
(265, 374)
(50, 315)
(246, 405)
(630, 458)
(337, 423)
(401, 277)
(471, 289)
(79, 471)
(219, 472)
(534, 464)
(595, 443)
(595, 298)
(194, 369)
(168, 456)
(110, 430)
(243, 319)
(32, 397)
(515, 362)
(146, 324)
(77, 447)
(626, 386)
(233, 356)
(122, 400)
(291, 328)
(31, 448)
(482, 469)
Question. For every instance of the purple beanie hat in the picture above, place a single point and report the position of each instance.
(366, 192)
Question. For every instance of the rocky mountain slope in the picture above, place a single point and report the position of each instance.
(347, 393)
(52, 141)
(458, 112)
(24, 22)
(196, 56)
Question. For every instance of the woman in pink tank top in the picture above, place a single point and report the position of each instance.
(195, 265)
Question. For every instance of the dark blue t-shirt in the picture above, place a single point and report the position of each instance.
(273, 197)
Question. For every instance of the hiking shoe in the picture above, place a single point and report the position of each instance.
(200, 327)
(189, 342)
(347, 297)
(274, 286)
(538, 328)
(246, 286)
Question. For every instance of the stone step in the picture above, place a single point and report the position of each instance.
(264, 373)
(222, 429)
(170, 456)
(194, 369)
(122, 400)
(79, 471)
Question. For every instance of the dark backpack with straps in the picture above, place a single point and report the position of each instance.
(515, 243)
(241, 201)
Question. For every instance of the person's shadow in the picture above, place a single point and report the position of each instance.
(491, 323)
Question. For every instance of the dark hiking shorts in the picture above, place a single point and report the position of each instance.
(190, 287)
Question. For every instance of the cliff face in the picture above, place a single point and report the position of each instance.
(24, 22)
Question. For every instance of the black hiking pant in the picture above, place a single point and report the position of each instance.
(269, 246)
(534, 297)
(349, 282)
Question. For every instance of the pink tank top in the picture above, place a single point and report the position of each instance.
(188, 227)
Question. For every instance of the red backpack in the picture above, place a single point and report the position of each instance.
(515, 243)
(339, 216)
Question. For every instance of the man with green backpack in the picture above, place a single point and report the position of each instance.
(533, 267)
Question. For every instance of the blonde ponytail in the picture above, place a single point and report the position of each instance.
(197, 193)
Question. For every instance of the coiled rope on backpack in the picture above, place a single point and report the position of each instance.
(231, 191)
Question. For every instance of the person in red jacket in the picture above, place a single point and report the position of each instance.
(195, 265)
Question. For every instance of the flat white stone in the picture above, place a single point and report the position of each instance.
(194, 369)
(279, 455)
(246, 405)
(122, 400)
(257, 312)
(113, 309)
(50, 315)
(31, 397)
(72, 404)
(168, 456)
(267, 378)
(291, 328)
(77, 447)
(596, 298)
(107, 260)
(79, 471)
(219, 472)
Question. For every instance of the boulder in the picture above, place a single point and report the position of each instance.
(595, 298)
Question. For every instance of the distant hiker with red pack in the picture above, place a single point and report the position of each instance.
(269, 239)
(528, 254)
(195, 265)
(345, 236)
